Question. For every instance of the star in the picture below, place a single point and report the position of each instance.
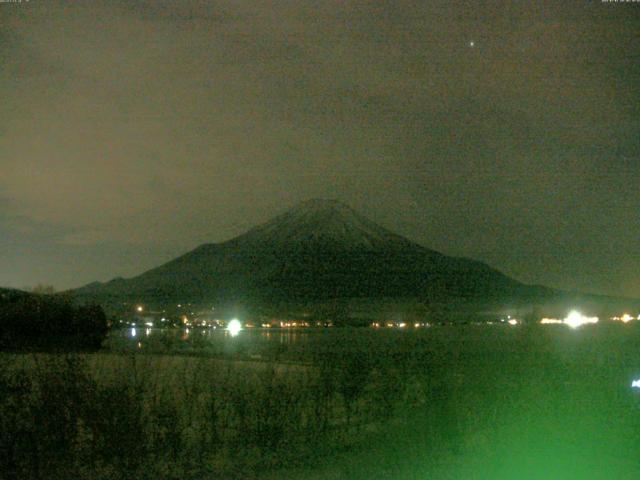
(472, 44)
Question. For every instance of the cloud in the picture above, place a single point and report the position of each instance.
(175, 123)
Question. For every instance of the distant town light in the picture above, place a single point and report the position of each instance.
(513, 321)
(234, 327)
(635, 383)
(133, 332)
(626, 318)
(549, 321)
(139, 308)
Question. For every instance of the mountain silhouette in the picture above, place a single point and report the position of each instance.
(318, 250)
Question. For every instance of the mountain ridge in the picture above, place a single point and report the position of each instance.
(319, 249)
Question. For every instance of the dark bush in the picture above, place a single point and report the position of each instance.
(38, 321)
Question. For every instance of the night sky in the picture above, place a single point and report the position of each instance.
(132, 132)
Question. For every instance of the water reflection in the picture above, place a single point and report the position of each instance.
(288, 337)
(187, 335)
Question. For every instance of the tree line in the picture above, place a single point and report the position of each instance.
(49, 321)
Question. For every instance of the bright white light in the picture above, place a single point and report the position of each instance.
(576, 319)
(234, 327)
(139, 308)
(133, 332)
(513, 321)
(635, 383)
(626, 318)
(472, 43)
(149, 324)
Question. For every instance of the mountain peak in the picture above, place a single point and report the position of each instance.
(323, 222)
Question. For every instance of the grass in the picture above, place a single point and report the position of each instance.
(466, 402)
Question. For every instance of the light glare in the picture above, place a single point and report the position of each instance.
(576, 319)
(234, 327)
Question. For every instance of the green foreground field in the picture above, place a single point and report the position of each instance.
(471, 402)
